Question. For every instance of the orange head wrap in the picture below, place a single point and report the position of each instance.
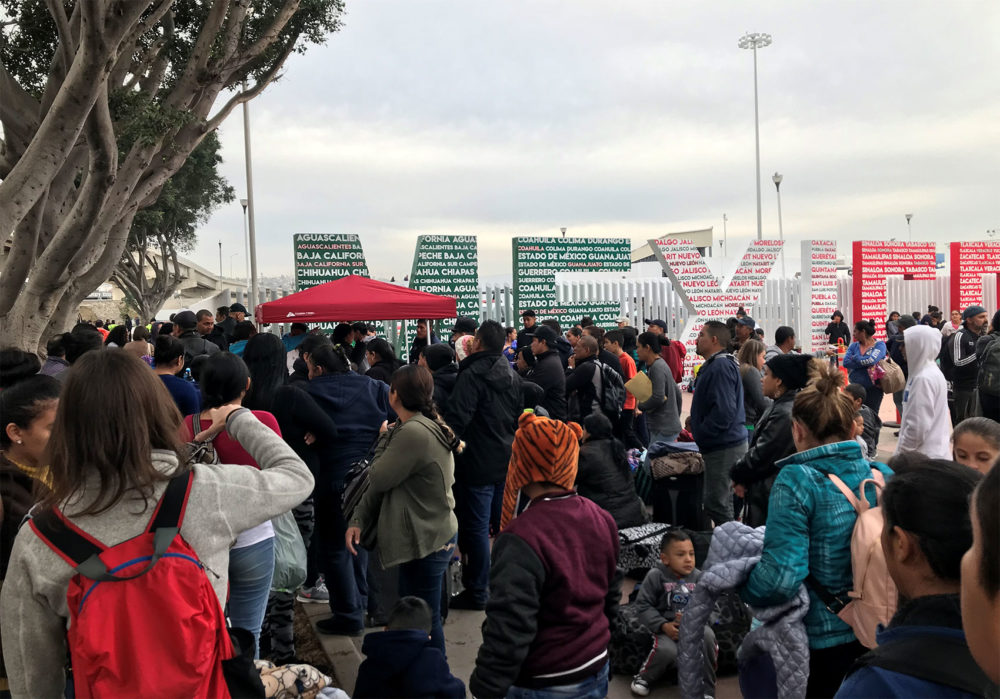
(544, 450)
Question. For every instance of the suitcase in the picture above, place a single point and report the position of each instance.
(677, 500)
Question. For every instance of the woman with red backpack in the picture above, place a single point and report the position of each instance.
(131, 546)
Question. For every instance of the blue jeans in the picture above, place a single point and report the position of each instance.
(473, 505)
(595, 687)
(423, 578)
(250, 571)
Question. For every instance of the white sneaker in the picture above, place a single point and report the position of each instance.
(317, 594)
(640, 687)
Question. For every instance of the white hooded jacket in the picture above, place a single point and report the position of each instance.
(926, 424)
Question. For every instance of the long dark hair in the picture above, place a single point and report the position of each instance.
(113, 437)
(382, 349)
(987, 499)
(414, 387)
(332, 359)
(223, 379)
(118, 335)
(264, 357)
(930, 499)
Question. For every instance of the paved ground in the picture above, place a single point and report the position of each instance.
(463, 628)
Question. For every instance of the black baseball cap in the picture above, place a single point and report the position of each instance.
(657, 322)
(546, 335)
(186, 319)
(747, 321)
(237, 308)
(465, 324)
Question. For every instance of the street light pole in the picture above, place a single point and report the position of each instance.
(252, 237)
(246, 243)
(725, 244)
(753, 40)
(909, 231)
(776, 178)
(220, 261)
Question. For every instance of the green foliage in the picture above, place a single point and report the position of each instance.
(186, 200)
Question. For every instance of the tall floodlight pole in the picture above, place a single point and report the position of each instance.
(252, 231)
(776, 178)
(909, 231)
(220, 261)
(725, 244)
(753, 40)
(246, 243)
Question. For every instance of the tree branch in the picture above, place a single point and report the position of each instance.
(241, 97)
(268, 38)
(66, 45)
(199, 57)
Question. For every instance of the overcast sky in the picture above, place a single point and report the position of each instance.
(632, 118)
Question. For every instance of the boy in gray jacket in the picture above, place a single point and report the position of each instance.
(664, 594)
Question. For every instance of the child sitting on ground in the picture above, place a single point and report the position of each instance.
(665, 592)
(402, 662)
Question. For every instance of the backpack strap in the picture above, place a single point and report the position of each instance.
(82, 551)
(934, 657)
(169, 513)
(71, 543)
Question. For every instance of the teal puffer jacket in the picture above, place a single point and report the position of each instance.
(809, 527)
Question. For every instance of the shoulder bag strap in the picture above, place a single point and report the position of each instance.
(842, 487)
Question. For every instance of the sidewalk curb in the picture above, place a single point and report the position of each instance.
(344, 652)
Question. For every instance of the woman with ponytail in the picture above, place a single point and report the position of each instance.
(408, 505)
(810, 523)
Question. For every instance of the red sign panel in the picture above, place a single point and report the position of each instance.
(874, 261)
(969, 262)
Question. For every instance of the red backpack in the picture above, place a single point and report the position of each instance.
(144, 619)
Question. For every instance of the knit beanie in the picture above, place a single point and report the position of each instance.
(463, 346)
(544, 450)
(972, 312)
(438, 355)
(792, 369)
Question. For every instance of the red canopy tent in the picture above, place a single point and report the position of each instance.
(355, 298)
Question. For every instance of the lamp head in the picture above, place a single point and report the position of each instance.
(776, 178)
(243, 203)
(908, 217)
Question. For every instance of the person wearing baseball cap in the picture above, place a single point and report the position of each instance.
(464, 325)
(186, 330)
(548, 372)
(559, 555)
(745, 328)
(960, 348)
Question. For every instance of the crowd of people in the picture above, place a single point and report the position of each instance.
(516, 451)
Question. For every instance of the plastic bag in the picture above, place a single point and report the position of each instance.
(289, 553)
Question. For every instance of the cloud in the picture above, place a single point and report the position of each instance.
(632, 119)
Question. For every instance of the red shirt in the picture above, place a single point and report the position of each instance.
(229, 450)
(628, 368)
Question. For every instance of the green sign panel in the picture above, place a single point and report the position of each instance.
(448, 265)
(536, 261)
(323, 257)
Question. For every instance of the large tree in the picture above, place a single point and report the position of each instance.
(101, 102)
(149, 271)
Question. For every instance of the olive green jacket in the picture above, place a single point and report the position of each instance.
(409, 499)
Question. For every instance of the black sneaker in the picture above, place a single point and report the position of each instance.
(333, 627)
(466, 600)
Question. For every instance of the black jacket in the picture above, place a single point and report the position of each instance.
(482, 410)
(605, 357)
(418, 345)
(838, 330)
(444, 384)
(525, 336)
(218, 338)
(895, 348)
(565, 351)
(550, 375)
(603, 476)
(581, 390)
(382, 371)
(297, 414)
(771, 442)
(403, 663)
(960, 347)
